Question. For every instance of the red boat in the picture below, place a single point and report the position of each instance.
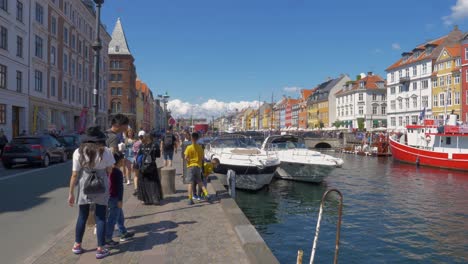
(431, 145)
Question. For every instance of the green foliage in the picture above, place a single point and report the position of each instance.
(338, 123)
(360, 122)
(321, 124)
(358, 77)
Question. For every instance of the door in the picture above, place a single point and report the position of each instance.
(15, 122)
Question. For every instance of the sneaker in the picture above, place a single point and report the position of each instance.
(135, 193)
(128, 182)
(126, 236)
(190, 202)
(100, 254)
(112, 243)
(77, 249)
(209, 198)
(195, 197)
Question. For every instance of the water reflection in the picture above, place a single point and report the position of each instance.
(393, 213)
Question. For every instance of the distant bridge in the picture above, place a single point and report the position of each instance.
(323, 142)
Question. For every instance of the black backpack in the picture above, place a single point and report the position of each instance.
(168, 141)
(144, 160)
(94, 181)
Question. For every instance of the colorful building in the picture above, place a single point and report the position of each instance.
(446, 87)
(464, 78)
(302, 115)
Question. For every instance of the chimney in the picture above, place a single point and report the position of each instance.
(369, 73)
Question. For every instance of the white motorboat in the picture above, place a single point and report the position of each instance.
(297, 162)
(254, 168)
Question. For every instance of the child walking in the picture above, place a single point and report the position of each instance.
(115, 213)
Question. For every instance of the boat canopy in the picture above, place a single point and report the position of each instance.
(284, 142)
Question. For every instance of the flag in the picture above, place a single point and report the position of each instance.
(422, 114)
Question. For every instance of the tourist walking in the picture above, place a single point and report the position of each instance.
(194, 157)
(3, 141)
(116, 214)
(169, 147)
(119, 125)
(136, 149)
(149, 183)
(92, 162)
(129, 156)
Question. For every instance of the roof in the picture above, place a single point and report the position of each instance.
(305, 93)
(454, 51)
(119, 44)
(370, 82)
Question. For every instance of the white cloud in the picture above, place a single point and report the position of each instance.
(207, 109)
(292, 89)
(377, 51)
(396, 46)
(459, 12)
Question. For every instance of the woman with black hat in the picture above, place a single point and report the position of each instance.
(149, 184)
(91, 158)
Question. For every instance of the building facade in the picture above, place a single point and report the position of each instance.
(122, 77)
(410, 79)
(14, 66)
(464, 78)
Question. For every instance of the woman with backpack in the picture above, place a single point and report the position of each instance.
(92, 163)
(129, 155)
(149, 183)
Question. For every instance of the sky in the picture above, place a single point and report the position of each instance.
(215, 56)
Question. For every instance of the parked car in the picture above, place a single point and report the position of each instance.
(70, 142)
(38, 150)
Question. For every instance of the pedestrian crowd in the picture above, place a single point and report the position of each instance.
(106, 160)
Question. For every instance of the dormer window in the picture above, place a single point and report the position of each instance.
(361, 84)
(117, 48)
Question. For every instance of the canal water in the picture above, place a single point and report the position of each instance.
(393, 213)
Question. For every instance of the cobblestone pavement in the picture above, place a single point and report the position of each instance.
(171, 233)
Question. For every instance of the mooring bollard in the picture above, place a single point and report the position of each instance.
(231, 180)
(168, 180)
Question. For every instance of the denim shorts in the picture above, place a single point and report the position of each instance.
(168, 155)
(193, 175)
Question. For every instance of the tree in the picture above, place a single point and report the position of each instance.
(338, 123)
(321, 124)
(360, 123)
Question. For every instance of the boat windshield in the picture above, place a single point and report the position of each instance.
(234, 142)
(288, 143)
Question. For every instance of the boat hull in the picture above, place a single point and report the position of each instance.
(408, 154)
(249, 177)
(303, 172)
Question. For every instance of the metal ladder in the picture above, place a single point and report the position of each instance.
(317, 229)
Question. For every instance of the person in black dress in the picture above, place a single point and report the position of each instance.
(149, 183)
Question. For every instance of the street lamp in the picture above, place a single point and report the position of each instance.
(97, 46)
(164, 99)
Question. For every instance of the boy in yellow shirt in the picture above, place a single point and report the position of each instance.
(194, 157)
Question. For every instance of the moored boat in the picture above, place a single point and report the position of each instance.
(431, 145)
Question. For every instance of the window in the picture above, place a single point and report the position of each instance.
(65, 91)
(38, 50)
(19, 81)
(415, 71)
(466, 53)
(79, 46)
(458, 62)
(406, 120)
(3, 76)
(53, 55)
(80, 72)
(361, 110)
(65, 63)
(117, 48)
(86, 72)
(407, 103)
(19, 11)
(39, 13)
(393, 121)
(72, 93)
(425, 101)
(2, 114)
(79, 94)
(374, 97)
(425, 84)
(407, 72)
(442, 99)
(449, 64)
(435, 67)
(449, 79)
(457, 98)
(392, 90)
(361, 84)
(116, 107)
(19, 46)
(374, 110)
(73, 41)
(441, 66)
(442, 81)
(4, 5)
(3, 38)
(384, 110)
(38, 81)
(449, 98)
(457, 79)
(415, 102)
(435, 103)
(400, 103)
(400, 120)
(52, 86)
(424, 68)
(434, 83)
(400, 74)
(415, 86)
(400, 89)
(72, 67)
(65, 35)
(361, 96)
(392, 77)
(466, 74)
(448, 140)
(53, 25)
(414, 119)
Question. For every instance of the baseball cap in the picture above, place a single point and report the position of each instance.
(141, 133)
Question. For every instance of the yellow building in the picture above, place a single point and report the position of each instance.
(139, 105)
(446, 85)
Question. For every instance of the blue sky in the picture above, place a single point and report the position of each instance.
(242, 50)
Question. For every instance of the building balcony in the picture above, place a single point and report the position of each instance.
(404, 79)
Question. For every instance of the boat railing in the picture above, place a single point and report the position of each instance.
(317, 229)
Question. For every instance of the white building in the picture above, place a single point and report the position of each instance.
(364, 101)
(409, 85)
(14, 66)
